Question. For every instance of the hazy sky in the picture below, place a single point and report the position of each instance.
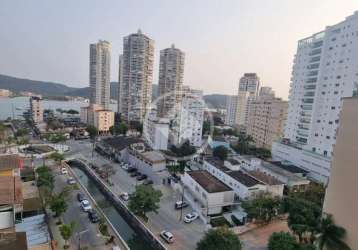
(49, 40)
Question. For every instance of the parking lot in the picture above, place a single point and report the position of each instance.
(168, 218)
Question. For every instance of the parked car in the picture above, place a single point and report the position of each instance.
(71, 181)
(134, 174)
(141, 177)
(125, 166)
(80, 197)
(131, 170)
(124, 196)
(148, 182)
(167, 236)
(191, 217)
(64, 170)
(181, 204)
(85, 205)
(93, 216)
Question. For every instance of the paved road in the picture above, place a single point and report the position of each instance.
(187, 235)
(91, 237)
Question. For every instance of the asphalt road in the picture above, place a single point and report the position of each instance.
(186, 235)
(90, 235)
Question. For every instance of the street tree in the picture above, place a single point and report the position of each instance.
(145, 199)
(263, 208)
(221, 152)
(282, 240)
(219, 238)
(57, 157)
(92, 131)
(45, 177)
(67, 231)
(58, 205)
(330, 236)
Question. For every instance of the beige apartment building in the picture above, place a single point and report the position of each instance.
(36, 109)
(97, 116)
(341, 195)
(266, 120)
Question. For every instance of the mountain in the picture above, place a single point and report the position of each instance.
(216, 101)
(44, 88)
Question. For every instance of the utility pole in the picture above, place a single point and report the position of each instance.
(79, 238)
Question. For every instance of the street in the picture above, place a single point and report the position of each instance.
(186, 235)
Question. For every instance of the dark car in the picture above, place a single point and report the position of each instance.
(80, 197)
(93, 216)
(181, 204)
(142, 177)
(148, 182)
(131, 170)
(134, 174)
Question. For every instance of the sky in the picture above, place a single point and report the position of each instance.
(223, 39)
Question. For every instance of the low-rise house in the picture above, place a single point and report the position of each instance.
(291, 176)
(10, 165)
(244, 184)
(213, 194)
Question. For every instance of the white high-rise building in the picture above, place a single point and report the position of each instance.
(171, 74)
(99, 75)
(231, 110)
(188, 124)
(324, 71)
(136, 76)
(156, 131)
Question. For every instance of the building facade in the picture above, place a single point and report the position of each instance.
(136, 76)
(250, 82)
(171, 75)
(343, 184)
(156, 131)
(266, 119)
(324, 72)
(231, 110)
(97, 116)
(99, 75)
(36, 109)
(120, 85)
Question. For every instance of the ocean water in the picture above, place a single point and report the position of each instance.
(14, 107)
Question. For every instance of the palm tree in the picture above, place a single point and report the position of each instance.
(330, 235)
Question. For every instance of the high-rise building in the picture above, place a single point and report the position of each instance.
(99, 75)
(324, 71)
(231, 110)
(250, 82)
(266, 118)
(243, 99)
(36, 109)
(343, 185)
(120, 85)
(171, 73)
(156, 131)
(188, 124)
(136, 76)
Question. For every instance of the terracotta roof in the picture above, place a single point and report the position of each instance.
(210, 183)
(10, 190)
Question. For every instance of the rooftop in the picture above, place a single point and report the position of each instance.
(217, 163)
(281, 171)
(10, 190)
(244, 178)
(270, 180)
(233, 161)
(121, 142)
(210, 183)
(153, 156)
(291, 168)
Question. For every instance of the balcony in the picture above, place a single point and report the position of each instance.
(309, 87)
(311, 80)
(308, 100)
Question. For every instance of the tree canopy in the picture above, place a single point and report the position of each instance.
(92, 131)
(145, 199)
(221, 152)
(282, 240)
(219, 238)
(67, 231)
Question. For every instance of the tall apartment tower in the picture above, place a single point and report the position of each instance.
(99, 74)
(324, 71)
(266, 118)
(137, 76)
(120, 85)
(231, 110)
(171, 73)
(36, 109)
(250, 82)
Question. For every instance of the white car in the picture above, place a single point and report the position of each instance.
(167, 236)
(64, 170)
(71, 181)
(85, 205)
(191, 217)
(124, 196)
(125, 166)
